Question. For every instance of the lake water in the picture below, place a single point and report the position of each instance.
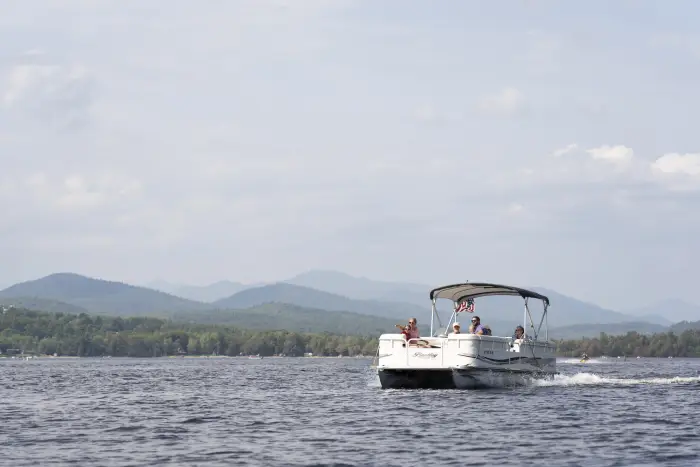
(228, 411)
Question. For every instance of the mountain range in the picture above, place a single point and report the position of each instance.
(201, 293)
(324, 294)
(98, 295)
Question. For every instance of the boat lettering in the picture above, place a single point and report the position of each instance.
(425, 355)
(488, 352)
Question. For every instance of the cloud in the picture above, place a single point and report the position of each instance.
(673, 163)
(565, 150)
(79, 193)
(622, 179)
(618, 154)
(677, 172)
(508, 102)
(47, 92)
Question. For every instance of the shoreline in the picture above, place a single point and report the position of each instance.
(253, 357)
(246, 357)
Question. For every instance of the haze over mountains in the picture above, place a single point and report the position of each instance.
(201, 293)
(335, 298)
(672, 309)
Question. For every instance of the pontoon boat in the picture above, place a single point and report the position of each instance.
(468, 361)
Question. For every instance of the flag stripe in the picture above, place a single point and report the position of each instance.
(467, 306)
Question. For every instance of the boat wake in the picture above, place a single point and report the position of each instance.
(577, 361)
(586, 379)
(591, 379)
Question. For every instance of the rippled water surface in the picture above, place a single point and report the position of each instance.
(277, 411)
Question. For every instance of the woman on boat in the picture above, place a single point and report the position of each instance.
(410, 331)
(519, 332)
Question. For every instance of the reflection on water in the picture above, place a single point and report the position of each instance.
(224, 411)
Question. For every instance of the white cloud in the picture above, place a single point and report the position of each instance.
(508, 101)
(565, 150)
(618, 154)
(50, 93)
(79, 192)
(677, 172)
(589, 165)
(674, 163)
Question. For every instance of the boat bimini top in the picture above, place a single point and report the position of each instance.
(461, 294)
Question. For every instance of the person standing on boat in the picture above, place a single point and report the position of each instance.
(456, 328)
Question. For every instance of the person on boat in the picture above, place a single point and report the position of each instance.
(476, 327)
(519, 332)
(456, 329)
(410, 331)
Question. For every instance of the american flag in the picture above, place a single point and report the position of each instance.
(467, 305)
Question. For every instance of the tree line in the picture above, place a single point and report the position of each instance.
(84, 335)
(633, 344)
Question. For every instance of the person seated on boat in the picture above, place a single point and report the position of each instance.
(519, 332)
(476, 327)
(456, 329)
(410, 331)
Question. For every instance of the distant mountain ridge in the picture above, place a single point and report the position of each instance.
(673, 310)
(313, 298)
(202, 293)
(379, 299)
(100, 296)
(362, 288)
(282, 316)
(564, 310)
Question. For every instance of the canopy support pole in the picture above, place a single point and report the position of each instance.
(544, 316)
(432, 318)
(532, 323)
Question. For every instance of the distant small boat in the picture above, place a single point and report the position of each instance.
(255, 357)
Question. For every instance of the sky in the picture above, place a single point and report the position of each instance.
(537, 143)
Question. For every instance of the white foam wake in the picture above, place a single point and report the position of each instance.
(574, 361)
(591, 379)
